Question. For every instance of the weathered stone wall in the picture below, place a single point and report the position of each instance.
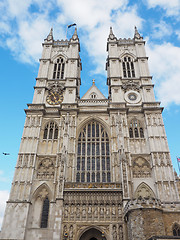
(170, 219)
(145, 223)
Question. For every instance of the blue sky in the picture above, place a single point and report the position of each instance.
(25, 24)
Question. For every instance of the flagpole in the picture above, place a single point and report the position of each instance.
(178, 164)
(66, 31)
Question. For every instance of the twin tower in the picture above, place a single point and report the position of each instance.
(93, 168)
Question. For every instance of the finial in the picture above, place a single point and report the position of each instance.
(111, 34)
(93, 81)
(111, 31)
(51, 32)
(136, 34)
(50, 35)
(75, 36)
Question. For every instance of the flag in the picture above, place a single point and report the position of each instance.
(74, 24)
(178, 159)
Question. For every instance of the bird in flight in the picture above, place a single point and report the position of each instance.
(6, 153)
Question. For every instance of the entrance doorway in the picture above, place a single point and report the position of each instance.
(92, 234)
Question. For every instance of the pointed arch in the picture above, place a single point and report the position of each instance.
(53, 59)
(144, 191)
(124, 54)
(128, 68)
(39, 209)
(93, 118)
(93, 232)
(59, 62)
(176, 229)
(136, 129)
(41, 192)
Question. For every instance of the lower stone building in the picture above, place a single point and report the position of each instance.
(93, 168)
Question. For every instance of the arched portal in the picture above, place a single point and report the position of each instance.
(92, 234)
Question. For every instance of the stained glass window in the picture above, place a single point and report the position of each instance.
(51, 131)
(135, 129)
(128, 67)
(93, 154)
(58, 72)
(45, 213)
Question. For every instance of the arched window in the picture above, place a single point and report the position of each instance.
(135, 129)
(51, 131)
(141, 133)
(45, 213)
(58, 72)
(128, 67)
(176, 230)
(93, 154)
(130, 132)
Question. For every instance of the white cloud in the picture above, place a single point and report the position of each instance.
(164, 65)
(178, 34)
(171, 7)
(3, 198)
(161, 30)
(32, 22)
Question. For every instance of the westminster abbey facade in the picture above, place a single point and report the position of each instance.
(93, 168)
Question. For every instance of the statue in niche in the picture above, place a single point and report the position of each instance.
(60, 184)
(71, 232)
(101, 211)
(78, 211)
(84, 211)
(119, 209)
(89, 209)
(113, 210)
(72, 211)
(114, 233)
(120, 232)
(66, 211)
(107, 210)
(95, 211)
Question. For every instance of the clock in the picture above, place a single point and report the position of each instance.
(54, 97)
(132, 96)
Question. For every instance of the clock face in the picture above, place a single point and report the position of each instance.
(54, 97)
(132, 96)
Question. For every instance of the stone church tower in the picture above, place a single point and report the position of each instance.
(93, 168)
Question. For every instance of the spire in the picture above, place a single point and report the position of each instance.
(50, 36)
(111, 35)
(137, 36)
(75, 36)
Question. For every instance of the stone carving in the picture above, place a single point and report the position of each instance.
(25, 162)
(94, 185)
(78, 211)
(144, 191)
(56, 86)
(120, 232)
(131, 85)
(43, 193)
(66, 211)
(45, 169)
(141, 168)
(114, 233)
(88, 205)
(20, 160)
(71, 232)
(84, 211)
